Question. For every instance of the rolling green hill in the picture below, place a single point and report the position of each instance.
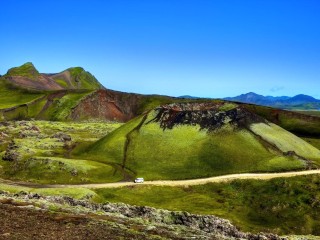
(181, 141)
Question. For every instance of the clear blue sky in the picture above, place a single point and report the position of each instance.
(213, 48)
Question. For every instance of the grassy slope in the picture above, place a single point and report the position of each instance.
(11, 96)
(285, 140)
(284, 206)
(186, 152)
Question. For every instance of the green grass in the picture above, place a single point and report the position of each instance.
(185, 152)
(284, 206)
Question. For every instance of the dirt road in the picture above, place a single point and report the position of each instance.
(217, 179)
(224, 178)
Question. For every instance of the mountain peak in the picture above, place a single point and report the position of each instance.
(26, 70)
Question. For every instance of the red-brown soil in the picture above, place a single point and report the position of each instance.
(42, 83)
(107, 105)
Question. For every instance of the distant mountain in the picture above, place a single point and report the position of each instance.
(300, 101)
(188, 97)
(28, 77)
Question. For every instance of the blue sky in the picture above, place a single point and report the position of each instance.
(204, 48)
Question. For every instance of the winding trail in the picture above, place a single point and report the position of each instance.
(200, 181)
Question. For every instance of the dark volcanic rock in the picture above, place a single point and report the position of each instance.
(207, 115)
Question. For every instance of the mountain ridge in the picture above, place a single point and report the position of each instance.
(28, 77)
(300, 100)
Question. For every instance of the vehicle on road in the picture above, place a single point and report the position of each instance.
(139, 180)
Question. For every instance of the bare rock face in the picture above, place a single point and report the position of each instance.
(209, 116)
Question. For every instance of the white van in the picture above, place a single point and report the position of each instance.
(139, 180)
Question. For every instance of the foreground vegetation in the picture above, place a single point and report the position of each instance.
(39, 151)
(284, 206)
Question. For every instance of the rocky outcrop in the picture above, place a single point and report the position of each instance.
(209, 116)
(207, 224)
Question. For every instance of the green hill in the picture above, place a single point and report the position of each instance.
(195, 140)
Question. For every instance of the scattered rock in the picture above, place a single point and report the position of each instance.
(11, 154)
(62, 136)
